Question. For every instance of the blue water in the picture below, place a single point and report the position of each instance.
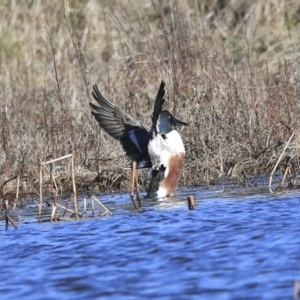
(234, 245)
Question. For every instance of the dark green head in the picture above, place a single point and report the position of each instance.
(166, 121)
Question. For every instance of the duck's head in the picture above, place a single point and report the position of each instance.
(166, 122)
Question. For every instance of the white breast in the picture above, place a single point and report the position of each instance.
(161, 148)
(173, 142)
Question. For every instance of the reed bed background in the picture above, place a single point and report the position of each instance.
(231, 70)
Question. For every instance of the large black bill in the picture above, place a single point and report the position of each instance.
(179, 123)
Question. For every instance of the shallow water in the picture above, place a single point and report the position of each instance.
(236, 244)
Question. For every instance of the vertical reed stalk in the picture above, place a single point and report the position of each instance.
(41, 190)
(6, 213)
(93, 209)
(17, 194)
(74, 189)
(279, 159)
(53, 212)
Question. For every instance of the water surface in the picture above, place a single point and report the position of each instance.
(236, 244)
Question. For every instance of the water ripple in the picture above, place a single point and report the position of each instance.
(234, 245)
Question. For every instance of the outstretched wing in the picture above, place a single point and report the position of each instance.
(109, 117)
(160, 99)
(134, 138)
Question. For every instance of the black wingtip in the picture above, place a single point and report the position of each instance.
(93, 106)
(95, 92)
(159, 102)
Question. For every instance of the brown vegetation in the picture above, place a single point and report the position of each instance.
(231, 70)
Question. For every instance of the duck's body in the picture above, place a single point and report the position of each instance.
(133, 137)
(167, 155)
(160, 148)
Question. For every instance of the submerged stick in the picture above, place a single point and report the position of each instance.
(136, 203)
(65, 208)
(191, 202)
(12, 221)
(8, 217)
(102, 205)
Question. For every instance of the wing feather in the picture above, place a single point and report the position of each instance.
(159, 101)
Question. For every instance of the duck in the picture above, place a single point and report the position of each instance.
(167, 155)
(159, 149)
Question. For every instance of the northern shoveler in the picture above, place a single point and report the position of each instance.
(133, 137)
(162, 142)
(166, 152)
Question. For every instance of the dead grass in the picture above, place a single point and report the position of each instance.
(231, 69)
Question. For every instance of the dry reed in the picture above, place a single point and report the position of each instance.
(231, 69)
(53, 182)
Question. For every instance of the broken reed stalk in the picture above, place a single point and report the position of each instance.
(65, 208)
(279, 159)
(287, 170)
(93, 208)
(74, 188)
(53, 212)
(41, 190)
(17, 194)
(53, 185)
(56, 159)
(102, 205)
(296, 145)
(73, 183)
(6, 214)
